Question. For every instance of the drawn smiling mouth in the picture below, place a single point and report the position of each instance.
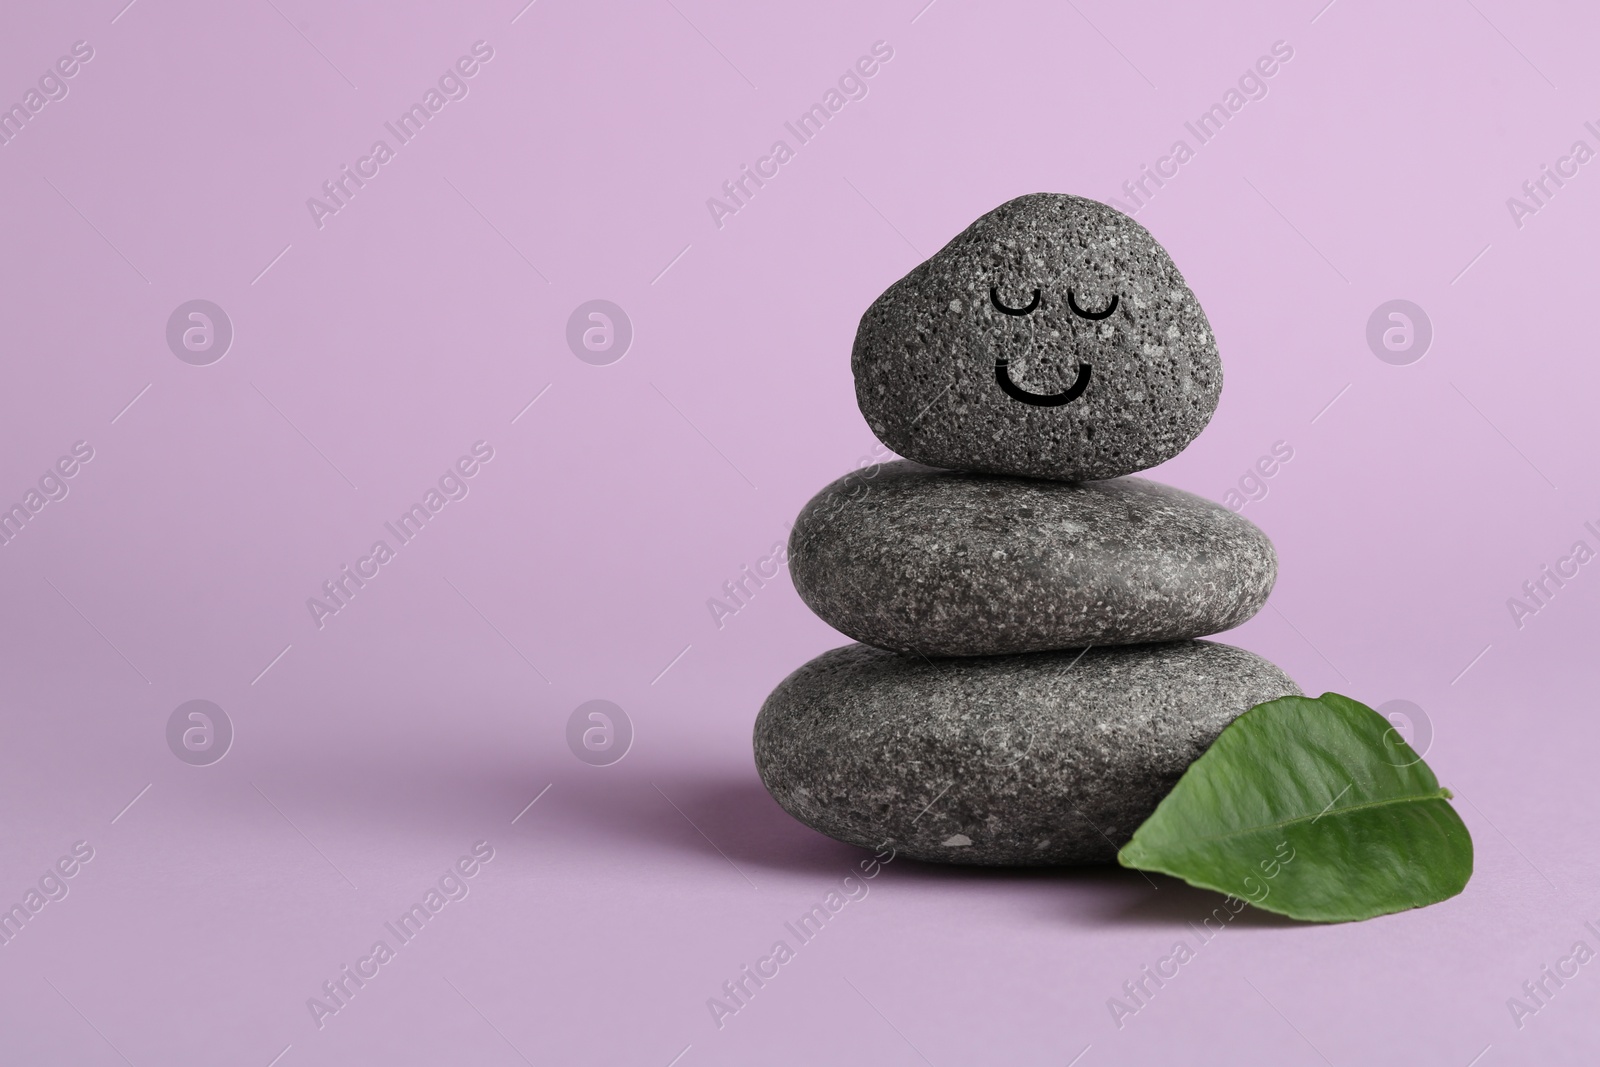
(1002, 374)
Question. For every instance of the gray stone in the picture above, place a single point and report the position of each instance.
(947, 564)
(932, 353)
(1044, 758)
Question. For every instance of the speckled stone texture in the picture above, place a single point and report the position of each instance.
(914, 559)
(1039, 759)
(926, 352)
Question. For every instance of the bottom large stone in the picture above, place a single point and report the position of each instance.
(1036, 759)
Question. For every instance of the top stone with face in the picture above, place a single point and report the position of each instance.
(1053, 338)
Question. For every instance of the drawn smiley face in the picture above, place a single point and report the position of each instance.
(1052, 338)
(1002, 365)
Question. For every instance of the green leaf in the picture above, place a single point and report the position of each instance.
(1313, 808)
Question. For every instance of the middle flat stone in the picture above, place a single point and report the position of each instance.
(914, 559)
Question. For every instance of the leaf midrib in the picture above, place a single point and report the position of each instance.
(1439, 794)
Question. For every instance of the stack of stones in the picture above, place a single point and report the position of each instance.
(1028, 685)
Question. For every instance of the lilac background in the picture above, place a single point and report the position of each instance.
(427, 714)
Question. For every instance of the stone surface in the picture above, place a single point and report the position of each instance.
(930, 352)
(1044, 758)
(910, 558)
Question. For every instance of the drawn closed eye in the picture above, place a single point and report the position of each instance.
(1094, 316)
(994, 298)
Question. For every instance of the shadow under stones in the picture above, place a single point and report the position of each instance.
(743, 821)
(738, 815)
